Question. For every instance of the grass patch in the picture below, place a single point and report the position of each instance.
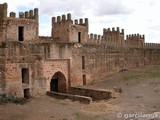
(4, 100)
(64, 119)
(20, 101)
(131, 77)
(77, 115)
(152, 75)
(143, 75)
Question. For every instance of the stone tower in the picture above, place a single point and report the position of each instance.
(64, 31)
(135, 40)
(113, 37)
(23, 28)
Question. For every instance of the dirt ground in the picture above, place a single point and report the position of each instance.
(140, 95)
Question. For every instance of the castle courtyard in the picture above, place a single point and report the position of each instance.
(140, 94)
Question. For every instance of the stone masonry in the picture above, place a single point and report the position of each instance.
(31, 64)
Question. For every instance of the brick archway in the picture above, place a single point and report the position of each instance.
(58, 83)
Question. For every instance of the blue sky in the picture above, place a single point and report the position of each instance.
(135, 16)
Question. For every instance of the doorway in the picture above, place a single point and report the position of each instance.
(26, 93)
(54, 85)
(84, 79)
(58, 83)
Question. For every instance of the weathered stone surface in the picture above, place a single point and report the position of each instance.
(69, 52)
(83, 99)
(94, 94)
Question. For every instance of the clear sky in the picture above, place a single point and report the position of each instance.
(135, 16)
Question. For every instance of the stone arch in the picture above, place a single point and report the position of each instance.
(58, 83)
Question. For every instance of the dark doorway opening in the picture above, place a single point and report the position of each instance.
(79, 37)
(58, 83)
(26, 93)
(25, 75)
(54, 85)
(84, 79)
(20, 33)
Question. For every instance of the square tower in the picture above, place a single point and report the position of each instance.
(64, 31)
(23, 28)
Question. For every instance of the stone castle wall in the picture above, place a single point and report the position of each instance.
(70, 53)
(18, 56)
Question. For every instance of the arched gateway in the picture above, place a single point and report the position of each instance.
(58, 83)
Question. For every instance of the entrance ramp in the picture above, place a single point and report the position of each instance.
(83, 95)
(82, 99)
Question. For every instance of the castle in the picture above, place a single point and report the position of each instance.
(31, 64)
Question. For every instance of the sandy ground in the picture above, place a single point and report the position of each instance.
(140, 95)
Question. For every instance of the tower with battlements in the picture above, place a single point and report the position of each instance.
(64, 30)
(113, 37)
(135, 40)
(22, 28)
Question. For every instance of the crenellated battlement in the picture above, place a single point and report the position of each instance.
(135, 40)
(113, 31)
(62, 18)
(67, 19)
(135, 36)
(113, 37)
(66, 30)
(95, 39)
(83, 22)
(23, 28)
(31, 14)
(152, 45)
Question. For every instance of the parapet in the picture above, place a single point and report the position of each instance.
(152, 45)
(31, 14)
(64, 18)
(135, 40)
(61, 19)
(113, 30)
(95, 39)
(81, 22)
(113, 36)
(135, 36)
